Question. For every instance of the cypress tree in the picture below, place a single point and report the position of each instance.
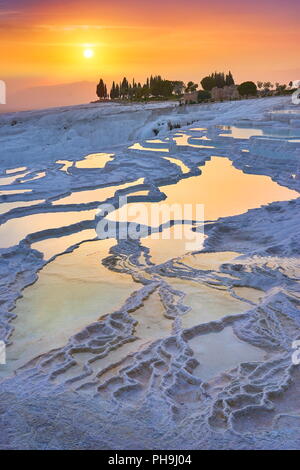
(100, 90)
(113, 91)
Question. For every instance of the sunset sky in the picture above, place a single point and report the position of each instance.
(42, 43)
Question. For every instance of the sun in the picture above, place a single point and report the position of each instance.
(88, 53)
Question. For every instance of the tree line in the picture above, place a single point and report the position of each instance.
(156, 87)
(217, 79)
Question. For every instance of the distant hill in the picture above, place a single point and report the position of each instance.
(50, 96)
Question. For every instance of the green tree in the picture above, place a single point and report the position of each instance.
(124, 88)
(208, 83)
(229, 80)
(247, 89)
(191, 86)
(219, 79)
(113, 91)
(155, 85)
(160, 87)
(100, 90)
(178, 87)
(146, 90)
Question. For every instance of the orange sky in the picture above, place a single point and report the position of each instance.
(43, 43)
